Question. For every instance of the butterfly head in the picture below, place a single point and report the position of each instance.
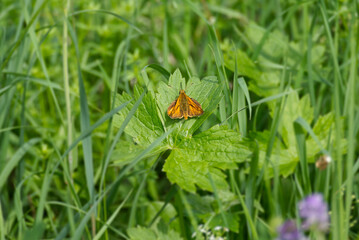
(181, 91)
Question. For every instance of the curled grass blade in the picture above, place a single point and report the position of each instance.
(106, 12)
(23, 77)
(159, 69)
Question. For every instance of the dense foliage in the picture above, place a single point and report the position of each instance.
(87, 150)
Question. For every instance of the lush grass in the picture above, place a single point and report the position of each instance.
(87, 150)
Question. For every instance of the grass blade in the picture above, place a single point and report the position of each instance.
(106, 12)
(118, 135)
(110, 220)
(159, 69)
(12, 163)
(2, 226)
(302, 153)
(89, 130)
(81, 226)
(244, 88)
(85, 121)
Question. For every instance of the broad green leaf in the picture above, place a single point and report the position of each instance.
(192, 158)
(142, 233)
(285, 158)
(145, 126)
(177, 81)
(293, 109)
(323, 129)
(245, 65)
(267, 85)
(232, 221)
(168, 214)
(126, 151)
(317, 54)
(306, 110)
(201, 205)
(272, 44)
(281, 158)
(206, 91)
(36, 232)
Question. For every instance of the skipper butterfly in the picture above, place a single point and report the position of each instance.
(184, 107)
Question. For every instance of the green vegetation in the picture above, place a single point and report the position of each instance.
(87, 150)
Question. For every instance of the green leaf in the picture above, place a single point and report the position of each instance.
(192, 158)
(206, 91)
(168, 214)
(245, 66)
(267, 85)
(232, 221)
(126, 151)
(142, 233)
(270, 44)
(293, 109)
(201, 205)
(285, 158)
(323, 129)
(36, 232)
(145, 126)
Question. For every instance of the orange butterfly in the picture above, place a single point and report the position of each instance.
(184, 106)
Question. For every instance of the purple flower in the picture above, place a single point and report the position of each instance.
(289, 231)
(314, 212)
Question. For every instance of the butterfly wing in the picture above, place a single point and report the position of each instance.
(174, 110)
(194, 108)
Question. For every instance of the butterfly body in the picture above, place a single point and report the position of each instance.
(184, 107)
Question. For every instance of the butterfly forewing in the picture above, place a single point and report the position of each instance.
(194, 108)
(174, 110)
